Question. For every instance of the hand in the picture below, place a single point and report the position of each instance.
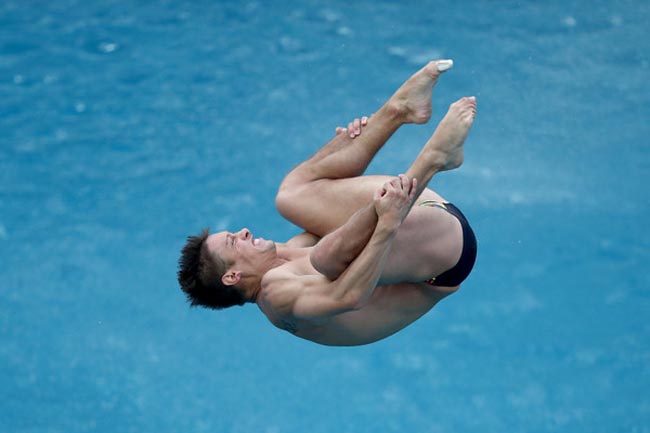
(354, 127)
(393, 200)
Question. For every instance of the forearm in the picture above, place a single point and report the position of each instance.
(334, 253)
(358, 281)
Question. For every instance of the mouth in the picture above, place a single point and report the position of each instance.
(257, 241)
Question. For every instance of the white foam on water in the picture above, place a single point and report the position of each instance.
(409, 361)
(56, 206)
(616, 20)
(290, 44)
(463, 329)
(26, 147)
(520, 303)
(222, 224)
(108, 47)
(61, 135)
(569, 21)
(415, 55)
(587, 356)
(392, 395)
(532, 394)
(330, 15)
(50, 78)
(616, 297)
(344, 31)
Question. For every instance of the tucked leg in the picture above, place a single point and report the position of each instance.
(429, 241)
(310, 195)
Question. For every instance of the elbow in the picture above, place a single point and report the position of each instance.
(352, 301)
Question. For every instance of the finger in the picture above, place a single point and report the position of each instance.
(357, 126)
(414, 188)
(340, 129)
(364, 120)
(404, 181)
(351, 129)
(378, 193)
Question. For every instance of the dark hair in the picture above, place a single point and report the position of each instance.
(199, 275)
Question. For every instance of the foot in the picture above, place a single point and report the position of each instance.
(412, 101)
(445, 147)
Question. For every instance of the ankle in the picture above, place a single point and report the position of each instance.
(395, 112)
(435, 160)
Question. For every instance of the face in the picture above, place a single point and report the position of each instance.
(241, 249)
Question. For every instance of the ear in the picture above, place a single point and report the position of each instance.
(231, 277)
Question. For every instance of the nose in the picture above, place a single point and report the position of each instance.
(244, 233)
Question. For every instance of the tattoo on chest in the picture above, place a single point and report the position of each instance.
(288, 325)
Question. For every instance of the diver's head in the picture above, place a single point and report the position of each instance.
(201, 274)
(224, 269)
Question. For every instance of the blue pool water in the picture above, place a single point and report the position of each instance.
(127, 125)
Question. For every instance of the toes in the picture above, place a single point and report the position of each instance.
(468, 102)
(444, 65)
(436, 67)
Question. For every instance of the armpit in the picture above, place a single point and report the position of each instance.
(289, 325)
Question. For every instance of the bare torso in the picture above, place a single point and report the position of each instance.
(391, 307)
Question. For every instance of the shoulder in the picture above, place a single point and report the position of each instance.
(281, 286)
(280, 289)
(278, 296)
(284, 287)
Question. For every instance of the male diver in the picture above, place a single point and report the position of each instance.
(378, 252)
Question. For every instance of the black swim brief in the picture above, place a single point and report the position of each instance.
(460, 271)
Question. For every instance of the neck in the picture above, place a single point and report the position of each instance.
(252, 284)
(253, 296)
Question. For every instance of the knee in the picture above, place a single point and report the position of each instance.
(284, 200)
(330, 270)
(323, 260)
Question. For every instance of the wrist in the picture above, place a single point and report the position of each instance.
(387, 225)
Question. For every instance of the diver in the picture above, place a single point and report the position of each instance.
(378, 252)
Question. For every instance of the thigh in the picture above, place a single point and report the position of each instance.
(429, 242)
(323, 205)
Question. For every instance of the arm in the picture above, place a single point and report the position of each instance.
(334, 253)
(352, 289)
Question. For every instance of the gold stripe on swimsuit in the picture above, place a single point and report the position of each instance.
(432, 203)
